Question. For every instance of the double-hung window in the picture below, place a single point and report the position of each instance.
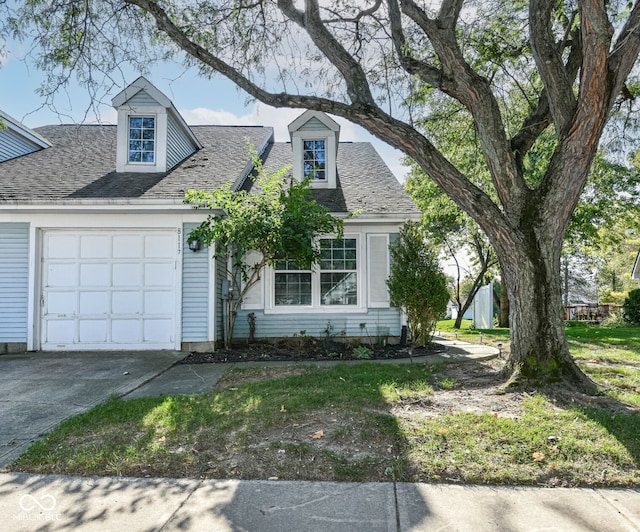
(314, 160)
(292, 286)
(142, 139)
(338, 271)
(334, 282)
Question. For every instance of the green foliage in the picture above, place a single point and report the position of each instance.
(614, 319)
(417, 283)
(280, 220)
(362, 352)
(631, 307)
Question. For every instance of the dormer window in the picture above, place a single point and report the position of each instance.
(152, 136)
(142, 139)
(315, 159)
(314, 141)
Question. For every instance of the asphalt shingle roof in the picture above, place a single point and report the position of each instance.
(80, 164)
(365, 182)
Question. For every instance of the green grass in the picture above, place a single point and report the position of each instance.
(544, 445)
(364, 422)
(447, 325)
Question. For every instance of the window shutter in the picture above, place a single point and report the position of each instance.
(378, 270)
(254, 299)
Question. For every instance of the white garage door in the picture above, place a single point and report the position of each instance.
(108, 290)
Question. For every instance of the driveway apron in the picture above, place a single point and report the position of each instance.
(39, 390)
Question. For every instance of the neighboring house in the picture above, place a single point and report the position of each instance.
(93, 231)
(635, 273)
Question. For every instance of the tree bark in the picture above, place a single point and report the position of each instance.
(504, 302)
(539, 350)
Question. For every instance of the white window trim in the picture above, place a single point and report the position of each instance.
(330, 147)
(316, 307)
(122, 157)
(155, 137)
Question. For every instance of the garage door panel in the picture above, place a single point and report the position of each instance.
(93, 331)
(156, 274)
(158, 302)
(127, 247)
(158, 330)
(61, 246)
(126, 303)
(61, 275)
(94, 303)
(95, 247)
(126, 331)
(159, 246)
(95, 274)
(109, 289)
(60, 331)
(62, 303)
(127, 274)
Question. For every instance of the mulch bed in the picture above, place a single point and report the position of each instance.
(307, 350)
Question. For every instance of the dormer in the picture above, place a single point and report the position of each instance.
(16, 139)
(152, 135)
(314, 140)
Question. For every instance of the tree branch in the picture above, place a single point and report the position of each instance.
(461, 82)
(352, 73)
(540, 117)
(625, 53)
(548, 58)
(428, 73)
(569, 166)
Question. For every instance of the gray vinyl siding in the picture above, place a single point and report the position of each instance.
(142, 98)
(13, 145)
(14, 281)
(195, 291)
(178, 145)
(286, 325)
(313, 125)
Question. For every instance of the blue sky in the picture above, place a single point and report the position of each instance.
(199, 100)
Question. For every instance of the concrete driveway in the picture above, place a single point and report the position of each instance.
(39, 390)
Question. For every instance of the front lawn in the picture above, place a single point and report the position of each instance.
(370, 422)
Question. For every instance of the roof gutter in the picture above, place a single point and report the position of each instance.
(101, 205)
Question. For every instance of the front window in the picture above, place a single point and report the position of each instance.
(333, 282)
(292, 286)
(338, 272)
(142, 139)
(314, 160)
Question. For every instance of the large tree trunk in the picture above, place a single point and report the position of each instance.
(539, 350)
(504, 302)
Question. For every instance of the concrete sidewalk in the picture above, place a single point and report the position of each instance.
(34, 502)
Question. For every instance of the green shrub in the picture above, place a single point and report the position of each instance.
(614, 319)
(416, 283)
(631, 307)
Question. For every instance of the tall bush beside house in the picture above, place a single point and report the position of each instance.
(417, 283)
(631, 307)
